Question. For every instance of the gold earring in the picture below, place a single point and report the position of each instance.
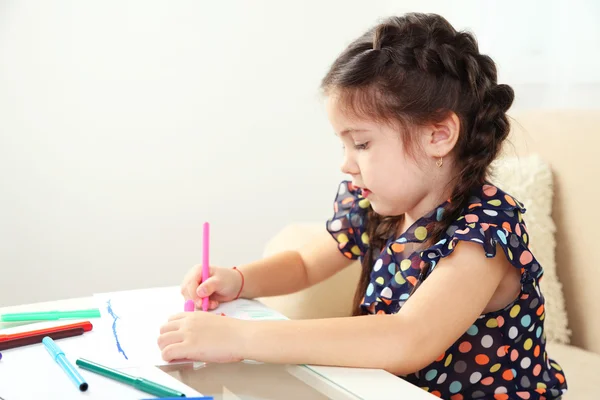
(440, 162)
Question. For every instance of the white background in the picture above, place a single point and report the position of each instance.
(126, 124)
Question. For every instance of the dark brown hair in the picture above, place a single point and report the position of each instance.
(414, 70)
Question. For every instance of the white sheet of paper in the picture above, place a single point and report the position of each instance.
(30, 373)
(131, 322)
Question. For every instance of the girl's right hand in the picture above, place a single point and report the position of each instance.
(223, 285)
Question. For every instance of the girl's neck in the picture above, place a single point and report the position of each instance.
(428, 203)
(441, 190)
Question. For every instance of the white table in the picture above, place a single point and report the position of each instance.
(363, 383)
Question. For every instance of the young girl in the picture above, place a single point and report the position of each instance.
(449, 296)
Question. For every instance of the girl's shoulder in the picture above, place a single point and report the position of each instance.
(491, 216)
(493, 199)
(494, 219)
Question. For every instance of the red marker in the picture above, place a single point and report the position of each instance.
(58, 332)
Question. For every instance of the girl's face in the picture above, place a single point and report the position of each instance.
(394, 180)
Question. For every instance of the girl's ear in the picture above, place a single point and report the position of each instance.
(441, 137)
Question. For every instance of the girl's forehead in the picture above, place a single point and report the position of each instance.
(351, 118)
(346, 121)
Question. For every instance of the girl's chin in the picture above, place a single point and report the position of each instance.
(382, 210)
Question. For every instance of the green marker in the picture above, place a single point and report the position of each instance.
(139, 383)
(50, 315)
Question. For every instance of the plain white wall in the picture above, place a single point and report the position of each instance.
(126, 124)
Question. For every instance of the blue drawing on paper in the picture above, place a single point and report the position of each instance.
(114, 328)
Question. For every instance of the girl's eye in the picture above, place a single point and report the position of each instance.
(361, 146)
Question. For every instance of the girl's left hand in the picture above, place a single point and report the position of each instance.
(201, 336)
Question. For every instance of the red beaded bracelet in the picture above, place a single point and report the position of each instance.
(241, 287)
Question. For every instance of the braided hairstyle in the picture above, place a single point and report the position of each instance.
(415, 70)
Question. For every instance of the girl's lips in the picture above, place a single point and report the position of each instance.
(366, 192)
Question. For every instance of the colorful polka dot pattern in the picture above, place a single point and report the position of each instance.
(503, 354)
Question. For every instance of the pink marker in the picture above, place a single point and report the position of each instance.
(189, 306)
(205, 264)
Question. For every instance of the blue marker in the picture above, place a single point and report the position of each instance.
(59, 356)
(188, 398)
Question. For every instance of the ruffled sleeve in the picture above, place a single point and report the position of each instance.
(347, 225)
(491, 224)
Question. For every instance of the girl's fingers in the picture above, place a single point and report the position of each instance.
(170, 326)
(175, 351)
(169, 338)
(206, 289)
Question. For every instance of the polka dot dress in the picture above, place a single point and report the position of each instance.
(503, 354)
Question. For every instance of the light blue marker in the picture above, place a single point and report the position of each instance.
(59, 356)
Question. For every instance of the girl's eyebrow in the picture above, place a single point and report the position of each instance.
(349, 130)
